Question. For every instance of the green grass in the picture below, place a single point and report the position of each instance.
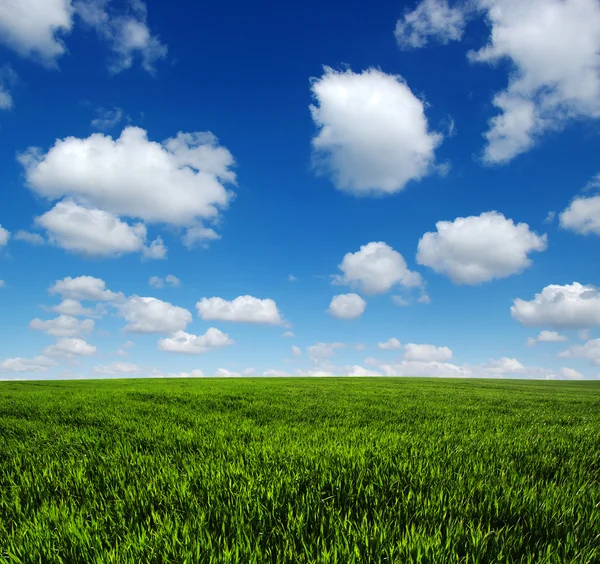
(300, 470)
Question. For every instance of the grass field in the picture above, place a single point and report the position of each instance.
(300, 470)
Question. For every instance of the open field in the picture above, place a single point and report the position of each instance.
(300, 470)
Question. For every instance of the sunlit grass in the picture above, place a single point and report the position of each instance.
(300, 470)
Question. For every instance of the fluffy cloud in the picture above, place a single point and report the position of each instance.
(84, 288)
(346, 306)
(573, 306)
(375, 269)
(546, 337)
(426, 353)
(244, 309)
(589, 351)
(475, 249)
(571, 374)
(271, 372)
(18, 364)
(158, 282)
(373, 135)
(554, 50)
(356, 370)
(74, 308)
(31, 238)
(392, 344)
(179, 182)
(127, 35)
(182, 342)
(91, 232)
(320, 351)
(70, 347)
(431, 19)
(63, 326)
(431, 369)
(117, 368)
(314, 373)
(503, 366)
(224, 373)
(157, 250)
(150, 315)
(33, 28)
(582, 216)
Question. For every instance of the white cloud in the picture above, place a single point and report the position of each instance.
(244, 309)
(503, 366)
(117, 368)
(91, 232)
(158, 282)
(391, 344)
(127, 345)
(4, 236)
(74, 308)
(346, 306)
(18, 364)
(400, 301)
(34, 29)
(288, 334)
(63, 326)
(198, 234)
(314, 373)
(179, 182)
(296, 351)
(554, 49)
(70, 347)
(150, 315)
(571, 374)
(107, 119)
(426, 353)
(320, 351)
(589, 351)
(272, 372)
(572, 306)
(431, 369)
(84, 288)
(172, 280)
(31, 238)
(431, 19)
(223, 372)
(475, 249)
(8, 77)
(157, 250)
(182, 342)
(127, 34)
(375, 269)
(547, 337)
(356, 370)
(582, 216)
(373, 136)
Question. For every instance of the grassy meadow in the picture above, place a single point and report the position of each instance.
(300, 470)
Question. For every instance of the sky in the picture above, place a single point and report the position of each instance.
(266, 189)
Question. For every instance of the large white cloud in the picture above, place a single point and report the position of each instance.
(63, 326)
(503, 366)
(70, 347)
(589, 351)
(244, 309)
(37, 364)
(375, 269)
(151, 315)
(346, 306)
(182, 342)
(475, 249)
(180, 181)
(554, 50)
(572, 306)
(426, 353)
(431, 19)
(91, 232)
(373, 136)
(84, 288)
(582, 216)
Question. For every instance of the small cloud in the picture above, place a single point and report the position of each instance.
(390, 344)
(31, 238)
(107, 119)
(292, 278)
(550, 217)
(288, 334)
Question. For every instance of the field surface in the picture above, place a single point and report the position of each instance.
(342, 470)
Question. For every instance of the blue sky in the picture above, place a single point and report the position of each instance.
(393, 188)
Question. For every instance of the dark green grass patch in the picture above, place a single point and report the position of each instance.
(295, 471)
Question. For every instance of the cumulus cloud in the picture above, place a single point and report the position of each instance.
(37, 364)
(84, 288)
(151, 315)
(127, 35)
(426, 353)
(224, 373)
(320, 351)
(503, 366)
(582, 216)
(356, 370)
(373, 136)
(31, 238)
(421, 368)
(554, 50)
(158, 282)
(117, 368)
(182, 342)
(375, 269)
(547, 337)
(70, 347)
(273, 372)
(475, 249)
(91, 232)
(391, 344)
(74, 308)
(156, 250)
(179, 182)
(589, 351)
(346, 306)
(4, 236)
(63, 326)
(572, 306)
(314, 373)
(243, 309)
(430, 20)
(107, 119)
(571, 374)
